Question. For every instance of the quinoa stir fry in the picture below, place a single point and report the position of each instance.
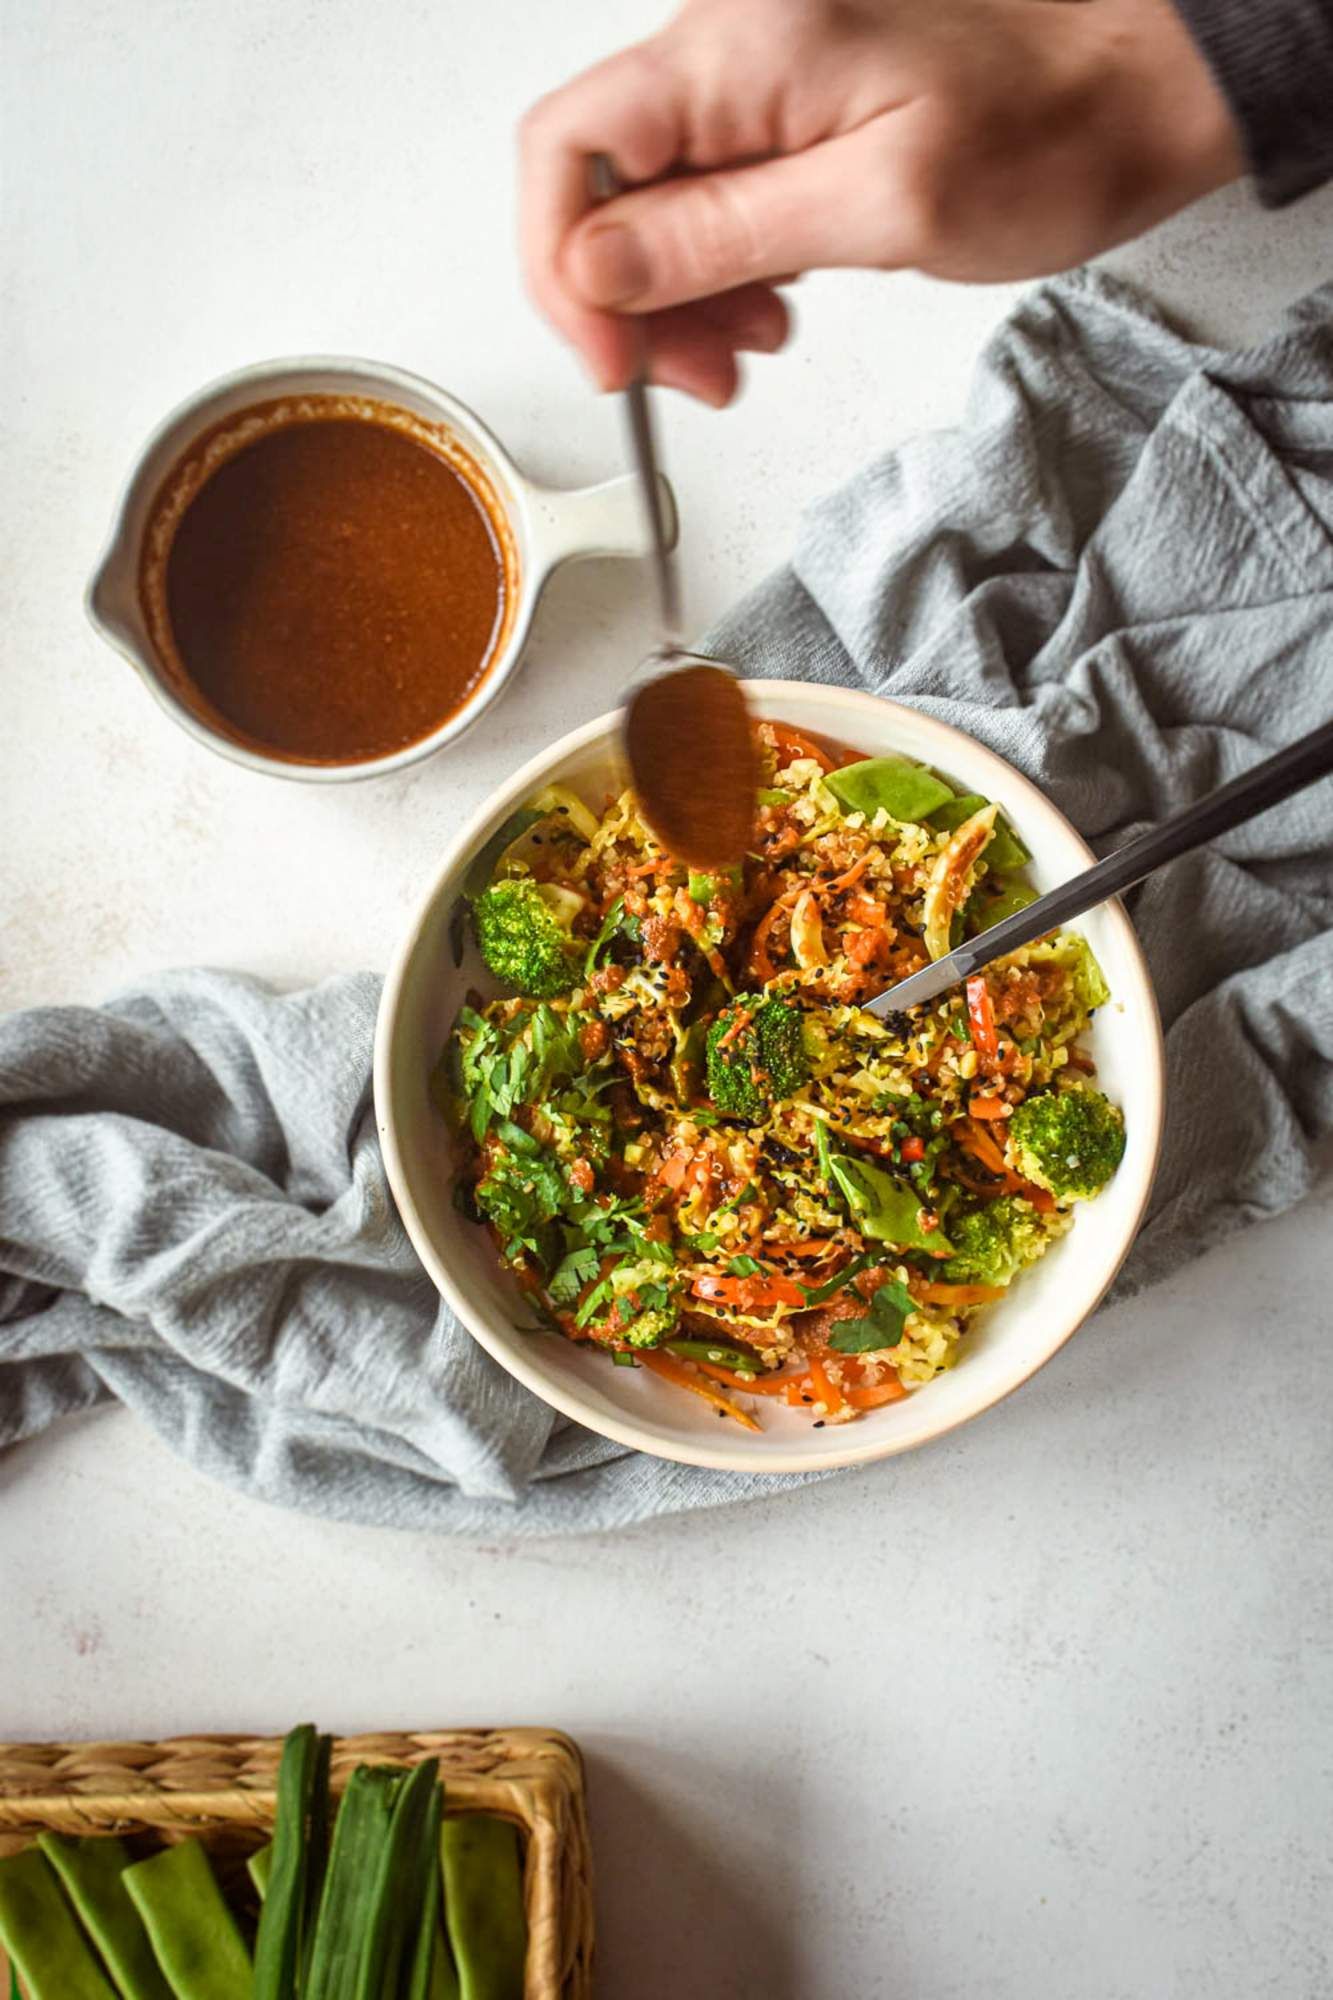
(691, 1145)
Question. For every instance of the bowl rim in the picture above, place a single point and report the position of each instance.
(728, 1456)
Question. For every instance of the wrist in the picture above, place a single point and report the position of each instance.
(1165, 120)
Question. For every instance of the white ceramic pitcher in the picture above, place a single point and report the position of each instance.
(547, 527)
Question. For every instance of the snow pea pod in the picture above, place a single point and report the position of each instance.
(1004, 851)
(721, 1356)
(905, 791)
(884, 1208)
(91, 1873)
(483, 1905)
(194, 1934)
(38, 1931)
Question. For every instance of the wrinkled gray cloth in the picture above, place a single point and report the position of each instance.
(1118, 573)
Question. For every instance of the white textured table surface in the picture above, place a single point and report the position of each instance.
(1045, 1710)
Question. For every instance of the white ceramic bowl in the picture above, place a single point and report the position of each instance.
(1012, 1339)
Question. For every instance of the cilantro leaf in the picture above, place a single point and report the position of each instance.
(883, 1323)
(744, 1267)
(571, 1274)
(596, 1297)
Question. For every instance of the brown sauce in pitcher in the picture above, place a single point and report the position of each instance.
(328, 579)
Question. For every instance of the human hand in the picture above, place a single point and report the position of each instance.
(972, 139)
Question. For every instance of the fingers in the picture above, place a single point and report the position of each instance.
(755, 318)
(694, 348)
(690, 238)
(624, 107)
(686, 352)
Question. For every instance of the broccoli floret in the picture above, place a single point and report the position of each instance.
(650, 1328)
(990, 1244)
(1070, 1141)
(525, 938)
(756, 1056)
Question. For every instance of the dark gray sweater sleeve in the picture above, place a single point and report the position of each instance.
(1274, 61)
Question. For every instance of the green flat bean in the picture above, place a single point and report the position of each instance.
(359, 1836)
(400, 1888)
(483, 1905)
(443, 1971)
(91, 1872)
(194, 1934)
(421, 1984)
(259, 1866)
(38, 1931)
(295, 1876)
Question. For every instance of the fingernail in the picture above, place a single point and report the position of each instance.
(612, 268)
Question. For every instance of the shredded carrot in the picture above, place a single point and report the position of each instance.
(865, 910)
(674, 1169)
(642, 868)
(744, 1016)
(978, 1142)
(871, 1399)
(796, 745)
(849, 876)
(800, 1392)
(671, 1370)
(975, 1139)
(760, 1385)
(988, 1107)
(959, 1295)
(827, 1392)
(761, 963)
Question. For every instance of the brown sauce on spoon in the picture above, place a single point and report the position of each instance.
(692, 755)
(328, 580)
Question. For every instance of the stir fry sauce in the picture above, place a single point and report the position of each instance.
(329, 580)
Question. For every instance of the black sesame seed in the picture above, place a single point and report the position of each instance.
(819, 1423)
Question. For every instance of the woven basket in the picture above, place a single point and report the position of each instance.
(221, 1789)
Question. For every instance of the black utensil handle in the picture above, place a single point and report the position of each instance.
(1242, 798)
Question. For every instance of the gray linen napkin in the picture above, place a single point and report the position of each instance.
(1118, 572)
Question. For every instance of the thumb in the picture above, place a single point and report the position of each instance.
(686, 239)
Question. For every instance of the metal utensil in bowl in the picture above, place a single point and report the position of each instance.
(1254, 791)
